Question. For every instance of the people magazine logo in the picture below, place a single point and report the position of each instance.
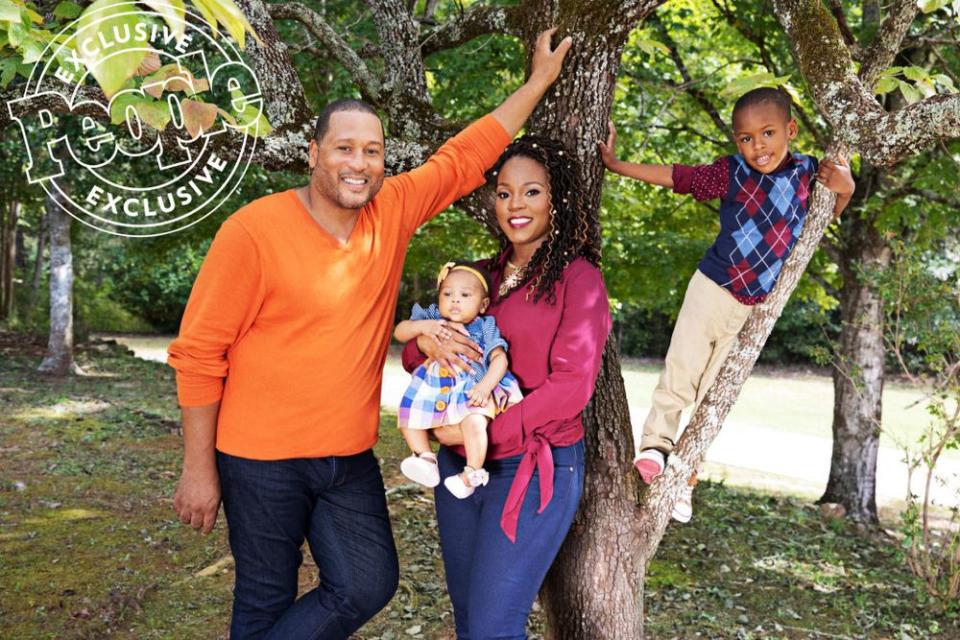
(141, 121)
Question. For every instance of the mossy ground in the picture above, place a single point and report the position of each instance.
(90, 548)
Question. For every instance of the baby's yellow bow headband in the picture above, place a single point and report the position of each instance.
(446, 269)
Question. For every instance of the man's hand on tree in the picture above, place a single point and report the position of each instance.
(547, 62)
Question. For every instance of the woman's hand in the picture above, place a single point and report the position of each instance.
(450, 346)
(440, 330)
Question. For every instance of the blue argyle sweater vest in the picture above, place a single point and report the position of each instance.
(761, 217)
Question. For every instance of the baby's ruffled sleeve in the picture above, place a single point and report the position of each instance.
(491, 338)
(419, 313)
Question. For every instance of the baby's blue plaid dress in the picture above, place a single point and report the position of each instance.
(437, 396)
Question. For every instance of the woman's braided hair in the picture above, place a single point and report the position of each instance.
(572, 232)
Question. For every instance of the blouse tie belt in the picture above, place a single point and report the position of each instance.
(537, 456)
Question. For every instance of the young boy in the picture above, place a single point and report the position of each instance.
(764, 193)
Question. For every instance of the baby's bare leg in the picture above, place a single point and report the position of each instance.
(474, 429)
(417, 439)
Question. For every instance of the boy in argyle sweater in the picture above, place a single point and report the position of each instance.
(764, 192)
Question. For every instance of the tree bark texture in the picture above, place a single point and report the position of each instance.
(595, 587)
(8, 259)
(59, 357)
(38, 259)
(858, 376)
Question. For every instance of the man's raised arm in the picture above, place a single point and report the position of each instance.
(458, 167)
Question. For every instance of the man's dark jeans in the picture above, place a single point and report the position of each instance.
(338, 505)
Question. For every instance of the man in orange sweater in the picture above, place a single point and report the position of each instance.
(279, 364)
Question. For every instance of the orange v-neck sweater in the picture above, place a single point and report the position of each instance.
(289, 328)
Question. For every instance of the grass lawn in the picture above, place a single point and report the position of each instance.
(803, 401)
(89, 547)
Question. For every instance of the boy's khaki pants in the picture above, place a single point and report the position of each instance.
(706, 328)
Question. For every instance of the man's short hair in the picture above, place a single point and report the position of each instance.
(345, 104)
(764, 95)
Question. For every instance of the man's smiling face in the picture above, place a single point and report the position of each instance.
(347, 163)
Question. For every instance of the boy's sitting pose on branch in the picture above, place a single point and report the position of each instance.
(764, 193)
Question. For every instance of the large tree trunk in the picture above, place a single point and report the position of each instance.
(59, 358)
(8, 260)
(859, 373)
(595, 587)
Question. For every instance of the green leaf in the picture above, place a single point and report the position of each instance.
(9, 12)
(754, 81)
(227, 13)
(172, 12)
(946, 82)
(249, 116)
(892, 71)
(32, 50)
(650, 47)
(154, 113)
(926, 87)
(17, 33)
(929, 6)
(886, 85)
(910, 93)
(915, 73)
(67, 10)
(111, 65)
(8, 70)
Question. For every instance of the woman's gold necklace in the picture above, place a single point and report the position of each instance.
(513, 280)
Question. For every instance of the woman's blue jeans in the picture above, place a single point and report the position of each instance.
(493, 582)
(338, 505)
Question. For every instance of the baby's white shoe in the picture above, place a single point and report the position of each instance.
(474, 478)
(422, 469)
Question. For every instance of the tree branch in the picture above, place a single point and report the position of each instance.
(689, 86)
(284, 102)
(911, 129)
(886, 44)
(856, 117)
(478, 20)
(633, 11)
(836, 8)
(338, 47)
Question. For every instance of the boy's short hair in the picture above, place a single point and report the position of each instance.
(774, 95)
(344, 104)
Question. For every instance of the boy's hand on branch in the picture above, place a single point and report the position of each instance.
(548, 61)
(835, 175)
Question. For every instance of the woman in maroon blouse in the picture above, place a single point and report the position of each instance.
(551, 306)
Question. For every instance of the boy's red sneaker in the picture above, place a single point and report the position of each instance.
(650, 464)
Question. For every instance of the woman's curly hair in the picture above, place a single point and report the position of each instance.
(573, 233)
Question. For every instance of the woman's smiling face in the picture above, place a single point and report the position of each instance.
(523, 201)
